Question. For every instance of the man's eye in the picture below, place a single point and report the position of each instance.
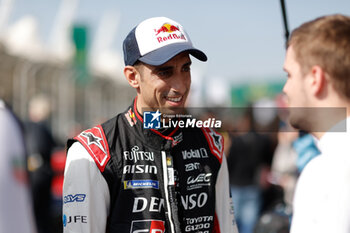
(187, 69)
(165, 73)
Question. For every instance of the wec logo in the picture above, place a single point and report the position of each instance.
(74, 198)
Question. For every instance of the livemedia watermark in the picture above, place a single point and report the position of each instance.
(245, 119)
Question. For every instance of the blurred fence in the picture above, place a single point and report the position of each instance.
(74, 105)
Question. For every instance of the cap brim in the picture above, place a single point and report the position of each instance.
(164, 54)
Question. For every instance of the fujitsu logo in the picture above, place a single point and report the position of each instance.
(136, 154)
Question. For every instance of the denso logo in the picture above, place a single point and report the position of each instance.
(192, 201)
(74, 198)
(147, 226)
(154, 205)
(196, 153)
(135, 155)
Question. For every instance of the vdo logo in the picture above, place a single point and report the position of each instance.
(147, 226)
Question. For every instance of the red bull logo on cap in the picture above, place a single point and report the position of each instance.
(168, 28)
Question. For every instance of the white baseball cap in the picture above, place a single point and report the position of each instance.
(156, 40)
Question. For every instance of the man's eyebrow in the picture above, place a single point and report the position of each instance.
(187, 64)
(163, 68)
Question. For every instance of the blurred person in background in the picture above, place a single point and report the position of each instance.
(306, 147)
(284, 168)
(318, 67)
(40, 144)
(123, 177)
(249, 163)
(16, 212)
(284, 171)
(294, 151)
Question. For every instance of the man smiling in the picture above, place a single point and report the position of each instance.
(164, 87)
(121, 177)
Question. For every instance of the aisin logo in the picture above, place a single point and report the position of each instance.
(151, 120)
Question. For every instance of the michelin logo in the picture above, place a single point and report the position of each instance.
(141, 184)
(151, 120)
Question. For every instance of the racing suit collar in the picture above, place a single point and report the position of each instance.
(162, 139)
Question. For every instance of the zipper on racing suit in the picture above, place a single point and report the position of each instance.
(170, 195)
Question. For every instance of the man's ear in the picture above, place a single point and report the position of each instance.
(132, 75)
(318, 81)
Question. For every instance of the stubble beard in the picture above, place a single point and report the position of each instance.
(299, 118)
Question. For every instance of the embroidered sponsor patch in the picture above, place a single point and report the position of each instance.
(149, 225)
(74, 198)
(141, 184)
(130, 117)
(215, 141)
(95, 143)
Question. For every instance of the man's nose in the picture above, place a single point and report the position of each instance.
(181, 82)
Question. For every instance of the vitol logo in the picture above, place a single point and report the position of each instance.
(147, 226)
